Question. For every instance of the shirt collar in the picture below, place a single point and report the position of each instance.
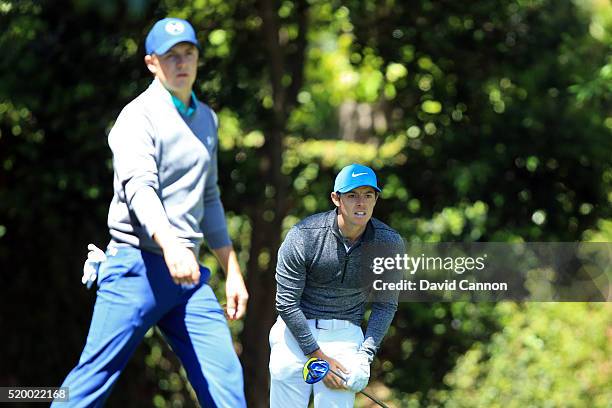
(367, 235)
(180, 106)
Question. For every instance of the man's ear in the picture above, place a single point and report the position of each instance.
(335, 197)
(148, 59)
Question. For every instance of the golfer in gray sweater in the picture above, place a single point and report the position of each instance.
(324, 280)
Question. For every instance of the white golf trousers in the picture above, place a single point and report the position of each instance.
(339, 339)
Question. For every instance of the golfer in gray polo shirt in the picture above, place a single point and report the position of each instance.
(323, 286)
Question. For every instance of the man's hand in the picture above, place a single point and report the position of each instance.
(235, 289)
(181, 261)
(236, 295)
(331, 380)
(183, 265)
(360, 373)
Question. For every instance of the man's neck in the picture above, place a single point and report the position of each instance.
(183, 97)
(352, 233)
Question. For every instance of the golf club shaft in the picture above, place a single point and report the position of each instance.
(363, 392)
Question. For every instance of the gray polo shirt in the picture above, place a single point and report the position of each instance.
(318, 278)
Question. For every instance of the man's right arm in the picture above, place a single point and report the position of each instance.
(132, 143)
(291, 279)
(290, 282)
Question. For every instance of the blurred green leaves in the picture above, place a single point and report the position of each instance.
(547, 355)
(484, 121)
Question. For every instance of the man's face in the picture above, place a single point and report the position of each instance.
(356, 207)
(176, 68)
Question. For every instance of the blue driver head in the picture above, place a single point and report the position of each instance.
(314, 370)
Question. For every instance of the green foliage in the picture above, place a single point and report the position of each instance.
(488, 121)
(425, 340)
(547, 355)
(492, 98)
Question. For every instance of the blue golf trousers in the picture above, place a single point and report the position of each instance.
(136, 292)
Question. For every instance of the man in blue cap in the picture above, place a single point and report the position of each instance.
(166, 202)
(323, 284)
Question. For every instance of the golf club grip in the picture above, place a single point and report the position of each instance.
(363, 392)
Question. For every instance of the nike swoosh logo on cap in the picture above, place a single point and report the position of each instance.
(357, 174)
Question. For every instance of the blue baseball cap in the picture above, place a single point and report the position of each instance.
(354, 176)
(167, 33)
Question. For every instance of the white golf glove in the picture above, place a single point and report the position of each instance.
(359, 374)
(90, 269)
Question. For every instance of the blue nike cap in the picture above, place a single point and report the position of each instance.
(168, 32)
(355, 176)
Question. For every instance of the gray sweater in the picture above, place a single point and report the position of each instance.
(317, 278)
(165, 173)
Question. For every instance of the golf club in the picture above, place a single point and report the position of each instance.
(316, 369)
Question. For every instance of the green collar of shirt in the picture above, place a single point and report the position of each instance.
(180, 106)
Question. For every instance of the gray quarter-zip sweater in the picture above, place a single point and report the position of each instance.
(317, 278)
(165, 167)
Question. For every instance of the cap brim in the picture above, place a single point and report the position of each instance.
(162, 49)
(353, 186)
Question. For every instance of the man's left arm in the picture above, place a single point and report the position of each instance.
(213, 225)
(214, 228)
(383, 307)
(380, 319)
(235, 289)
(378, 324)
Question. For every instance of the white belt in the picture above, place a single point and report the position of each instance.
(330, 324)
